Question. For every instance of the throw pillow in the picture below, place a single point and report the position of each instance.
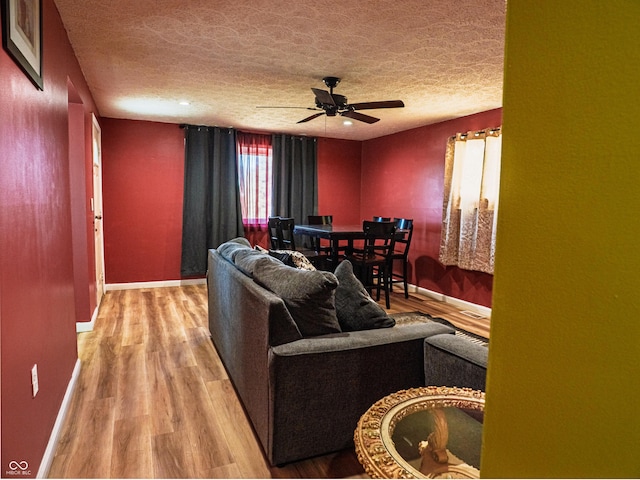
(355, 308)
(246, 260)
(293, 258)
(308, 295)
(230, 249)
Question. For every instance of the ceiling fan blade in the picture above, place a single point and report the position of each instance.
(315, 115)
(323, 96)
(303, 108)
(374, 105)
(360, 116)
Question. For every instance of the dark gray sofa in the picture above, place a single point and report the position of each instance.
(455, 361)
(304, 396)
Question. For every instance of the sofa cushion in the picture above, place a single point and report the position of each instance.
(293, 258)
(308, 295)
(231, 248)
(355, 308)
(246, 260)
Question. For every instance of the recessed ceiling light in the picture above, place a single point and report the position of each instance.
(184, 102)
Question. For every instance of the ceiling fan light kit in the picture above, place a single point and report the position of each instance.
(333, 104)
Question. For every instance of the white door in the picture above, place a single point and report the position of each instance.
(96, 206)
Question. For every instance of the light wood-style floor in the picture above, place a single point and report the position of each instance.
(154, 401)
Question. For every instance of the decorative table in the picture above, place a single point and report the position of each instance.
(426, 432)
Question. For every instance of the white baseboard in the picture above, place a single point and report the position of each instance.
(160, 284)
(462, 304)
(88, 326)
(49, 452)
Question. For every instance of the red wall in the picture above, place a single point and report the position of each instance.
(339, 180)
(142, 177)
(400, 175)
(81, 217)
(37, 296)
(403, 176)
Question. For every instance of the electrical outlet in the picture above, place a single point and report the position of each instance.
(34, 380)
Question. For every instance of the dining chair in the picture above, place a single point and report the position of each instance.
(372, 261)
(274, 233)
(381, 219)
(288, 242)
(401, 252)
(315, 243)
(320, 219)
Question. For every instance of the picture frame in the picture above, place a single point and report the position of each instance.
(22, 36)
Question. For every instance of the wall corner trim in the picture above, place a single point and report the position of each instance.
(47, 458)
(82, 327)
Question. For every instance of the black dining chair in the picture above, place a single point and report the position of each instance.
(274, 235)
(381, 219)
(372, 261)
(401, 253)
(288, 242)
(314, 243)
(320, 219)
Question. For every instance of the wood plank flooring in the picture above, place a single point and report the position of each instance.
(154, 401)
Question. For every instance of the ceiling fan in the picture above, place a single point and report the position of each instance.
(333, 104)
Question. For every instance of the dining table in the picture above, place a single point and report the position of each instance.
(337, 235)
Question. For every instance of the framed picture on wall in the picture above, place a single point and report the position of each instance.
(22, 35)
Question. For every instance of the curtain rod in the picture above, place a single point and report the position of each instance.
(478, 132)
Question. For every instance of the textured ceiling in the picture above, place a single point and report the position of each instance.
(443, 58)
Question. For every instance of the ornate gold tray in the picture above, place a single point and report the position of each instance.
(377, 451)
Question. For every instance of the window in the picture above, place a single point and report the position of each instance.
(470, 208)
(254, 174)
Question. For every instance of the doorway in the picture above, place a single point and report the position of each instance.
(96, 207)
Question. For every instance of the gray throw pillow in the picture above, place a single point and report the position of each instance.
(246, 260)
(308, 295)
(355, 308)
(230, 249)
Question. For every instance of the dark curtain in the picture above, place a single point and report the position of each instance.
(211, 208)
(295, 177)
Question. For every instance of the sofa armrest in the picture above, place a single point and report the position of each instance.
(319, 387)
(360, 339)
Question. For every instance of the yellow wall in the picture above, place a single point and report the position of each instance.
(563, 388)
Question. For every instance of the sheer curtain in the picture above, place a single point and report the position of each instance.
(254, 171)
(255, 176)
(211, 212)
(295, 177)
(470, 207)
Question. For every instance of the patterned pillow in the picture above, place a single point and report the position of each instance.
(293, 259)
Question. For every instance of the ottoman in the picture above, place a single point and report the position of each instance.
(455, 361)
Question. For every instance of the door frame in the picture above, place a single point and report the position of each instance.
(96, 207)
